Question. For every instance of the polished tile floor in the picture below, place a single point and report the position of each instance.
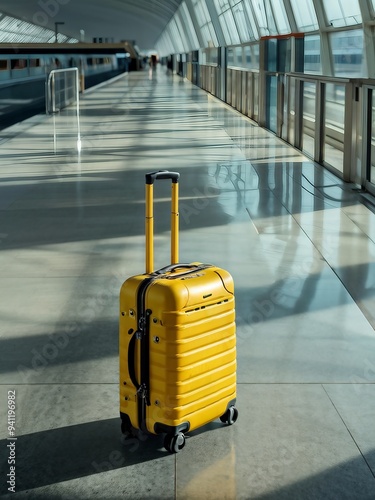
(299, 243)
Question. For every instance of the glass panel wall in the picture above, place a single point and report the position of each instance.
(14, 30)
(372, 147)
(229, 28)
(246, 29)
(235, 57)
(292, 110)
(265, 19)
(205, 23)
(239, 57)
(271, 103)
(230, 58)
(280, 16)
(347, 49)
(251, 55)
(312, 59)
(189, 27)
(342, 12)
(308, 131)
(333, 152)
(256, 97)
(178, 35)
(250, 16)
(305, 16)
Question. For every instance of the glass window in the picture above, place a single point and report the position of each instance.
(347, 50)
(222, 5)
(264, 16)
(174, 34)
(230, 57)
(18, 63)
(251, 56)
(342, 12)
(308, 128)
(333, 151)
(14, 30)
(244, 27)
(183, 41)
(304, 13)
(250, 15)
(235, 57)
(211, 56)
(248, 57)
(209, 35)
(229, 28)
(201, 12)
(186, 19)
(166, 44)
(312, 59)
(255, 48)
(170, 43)
(279, 14)
(239, 57)
(35, 63)
(372, 159)
(205, 24)
(271, 54)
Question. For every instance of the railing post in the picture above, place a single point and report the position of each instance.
(53, 91)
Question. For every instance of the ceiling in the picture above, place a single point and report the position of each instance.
(140, 20)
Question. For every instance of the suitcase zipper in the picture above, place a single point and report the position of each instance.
(142, 334)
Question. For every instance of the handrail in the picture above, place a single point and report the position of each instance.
(51, 87)
(50, 92)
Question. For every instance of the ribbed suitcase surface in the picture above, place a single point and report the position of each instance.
(177, 350)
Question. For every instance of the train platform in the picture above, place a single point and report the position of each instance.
(299, 243)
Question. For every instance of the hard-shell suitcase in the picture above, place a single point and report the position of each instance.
(177, 341)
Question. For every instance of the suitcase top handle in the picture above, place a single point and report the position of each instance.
(150, 179)
(162, 174)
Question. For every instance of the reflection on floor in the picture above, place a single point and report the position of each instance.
(298, 242)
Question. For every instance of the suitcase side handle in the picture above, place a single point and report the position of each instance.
(150, 179)
(131, 362)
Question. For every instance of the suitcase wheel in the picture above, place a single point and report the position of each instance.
(230, 416)
(174, 442)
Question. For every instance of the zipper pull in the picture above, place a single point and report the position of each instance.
(142, 391)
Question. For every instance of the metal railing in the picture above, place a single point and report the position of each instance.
(330, 119)
(62, 89)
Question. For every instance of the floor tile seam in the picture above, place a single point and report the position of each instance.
(358, 227)
(349, 431)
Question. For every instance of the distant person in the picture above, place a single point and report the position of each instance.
(169, 65)
(152, 63)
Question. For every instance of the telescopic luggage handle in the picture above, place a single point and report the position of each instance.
(150, 179)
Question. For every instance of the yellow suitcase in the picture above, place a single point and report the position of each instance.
(177, 341)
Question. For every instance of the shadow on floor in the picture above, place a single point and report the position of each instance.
(57, 455)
